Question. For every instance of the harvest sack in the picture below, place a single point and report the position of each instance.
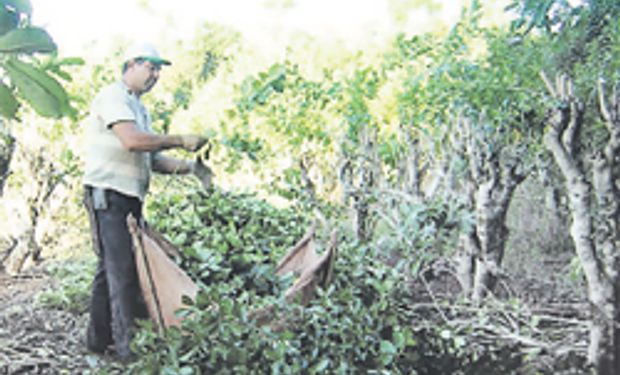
(163, 283)
(312, 270)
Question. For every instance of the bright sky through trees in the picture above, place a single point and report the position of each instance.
(78, 23)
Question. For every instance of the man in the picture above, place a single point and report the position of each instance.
(122, 150)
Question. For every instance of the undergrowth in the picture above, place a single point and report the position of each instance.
(73, 290)
(363, 322)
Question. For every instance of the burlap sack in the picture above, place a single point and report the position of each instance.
(163, 283)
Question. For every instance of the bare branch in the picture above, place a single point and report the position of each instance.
(548, 84)
(575, 120)
(615, 98)
(570, 89)
(561, 86)
(603, 100)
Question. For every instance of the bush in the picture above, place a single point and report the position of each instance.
(73, 293)
(360, 324)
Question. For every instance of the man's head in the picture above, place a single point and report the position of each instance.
(141, 67)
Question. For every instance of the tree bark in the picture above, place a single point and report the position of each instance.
(23, 251)
(7, 146)
(44, 177)
(360, 175)
(594, 207)
(493, 233)
(465, 261)
(488, 186)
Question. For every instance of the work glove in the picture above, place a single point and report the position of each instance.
(202, 172)
(192, 142)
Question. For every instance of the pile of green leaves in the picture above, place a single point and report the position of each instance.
(228, 238)
(361, 322)
(358, 323)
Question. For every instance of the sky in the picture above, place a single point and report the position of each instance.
(75, 24)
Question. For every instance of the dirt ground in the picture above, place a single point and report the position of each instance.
(38, 340)
(41, 340)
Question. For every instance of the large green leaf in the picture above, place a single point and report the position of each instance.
(27, 40)
(43, 92)
(8, 103)
(8, 20)
(54, 65)
(46, 81)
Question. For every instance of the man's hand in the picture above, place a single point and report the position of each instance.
(192, 142)
(202, 172)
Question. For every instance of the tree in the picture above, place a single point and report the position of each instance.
(582, 136)
(472, 106)
(286, 121)
(23, 78)
(594, 202)
(590, 171)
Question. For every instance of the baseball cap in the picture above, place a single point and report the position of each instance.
(146, 51)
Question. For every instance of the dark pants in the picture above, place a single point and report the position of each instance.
(116, 296)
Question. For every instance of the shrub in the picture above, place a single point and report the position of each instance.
(73, 293)
(361, 323)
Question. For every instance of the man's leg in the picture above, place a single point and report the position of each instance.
(99, 332)
(122, 279)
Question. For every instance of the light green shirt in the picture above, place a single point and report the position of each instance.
(108, 164)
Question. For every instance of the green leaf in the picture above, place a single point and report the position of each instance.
(475, 5)
(320, 367)
(399, 339)
(27, 40)
(92, 361)
(8, 103)
(71, 61)
(40, 90)
(61, 73)
(49, 83)
(21, 6)
(459, 342)
(8, 20)
(387, 348)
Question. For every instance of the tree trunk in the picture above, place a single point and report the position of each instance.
(361, 218)
(465, 261)
(43, 178)
(360, 175)
(7, 146)
(595, 227)
(307, 184)
(481, 251)
(22, 252)
(603, 347)
(492, 234)
(487, 187)
(491, 208)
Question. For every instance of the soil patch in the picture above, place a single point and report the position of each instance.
(39, 340)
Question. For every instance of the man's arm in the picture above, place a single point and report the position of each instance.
(169, 165)
(134, 139)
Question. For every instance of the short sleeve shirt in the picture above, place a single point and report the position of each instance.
(108, 164)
